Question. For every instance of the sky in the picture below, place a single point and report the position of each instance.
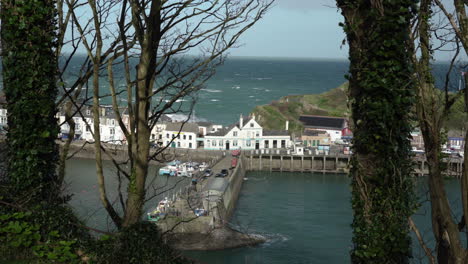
(298, 29)
(302, 29)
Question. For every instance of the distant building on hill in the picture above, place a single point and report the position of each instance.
(334, 126)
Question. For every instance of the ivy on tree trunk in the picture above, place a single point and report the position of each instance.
(29, 80)
(381, 98)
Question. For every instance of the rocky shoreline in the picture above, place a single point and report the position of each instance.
(218, 239)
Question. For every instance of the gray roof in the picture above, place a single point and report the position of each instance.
(165, 118)
(324, 122)
(275, 133)
(204, 124)
(179, 126)
(221, 132)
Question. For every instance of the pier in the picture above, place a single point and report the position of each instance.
(337, 163)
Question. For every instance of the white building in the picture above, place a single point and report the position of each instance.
(248, 135)
(3, 118)
(180, 135)
(84, 125)
(334, 126)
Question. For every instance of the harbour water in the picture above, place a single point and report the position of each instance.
(305, 217)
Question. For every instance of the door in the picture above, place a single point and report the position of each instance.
(227, 145)
(257, 144)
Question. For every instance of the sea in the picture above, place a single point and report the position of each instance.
(305, 217)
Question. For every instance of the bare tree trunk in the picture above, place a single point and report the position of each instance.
(145, 71)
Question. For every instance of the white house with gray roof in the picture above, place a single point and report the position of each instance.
(247, 135)
(184, 135)
(84, 125)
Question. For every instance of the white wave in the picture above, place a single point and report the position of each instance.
(257, 88)
(177, 101)
(267, 90)
(261, 79)
(251, 96)
(214, 100)
(212, 90)
(274, 238)
(183, 118)
(237, 87)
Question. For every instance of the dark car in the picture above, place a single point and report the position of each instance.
(224, 172)
(207, 173)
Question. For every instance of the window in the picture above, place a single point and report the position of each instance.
(190, 145)
(160, 136)
(153, 136)
(112, 131)
(251, 124)
(88, 112)
(87, 129)
(234, 143)
(249, 143)
(190, 137)
(267, 143)
(112, 122)
(214, 143)
(167, 135)
(208, 143)
(220, 143)
(178, 144)
(235, 133)
(283, 143)
(185, 137)
(275, 144)
(257, 134)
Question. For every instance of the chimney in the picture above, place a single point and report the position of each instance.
(241, 121)
(287, 125)
(253, 116)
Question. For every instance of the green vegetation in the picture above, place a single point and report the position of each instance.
(381, 100)
(274, 115)
(331, 103)
(29, 77)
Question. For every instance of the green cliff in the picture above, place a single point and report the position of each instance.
(274, 115)
(332, 103)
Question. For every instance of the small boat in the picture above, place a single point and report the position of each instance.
(174, 163)
(200, 212)
(203, 166)
(184, 173)
(160, 212)
(170, 168)
(165, 171)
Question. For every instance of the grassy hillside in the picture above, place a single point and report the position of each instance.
(331, 103)
(274, 115)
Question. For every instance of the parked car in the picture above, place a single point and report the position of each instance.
(225, 172)
(220, 175)
(208, 173)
